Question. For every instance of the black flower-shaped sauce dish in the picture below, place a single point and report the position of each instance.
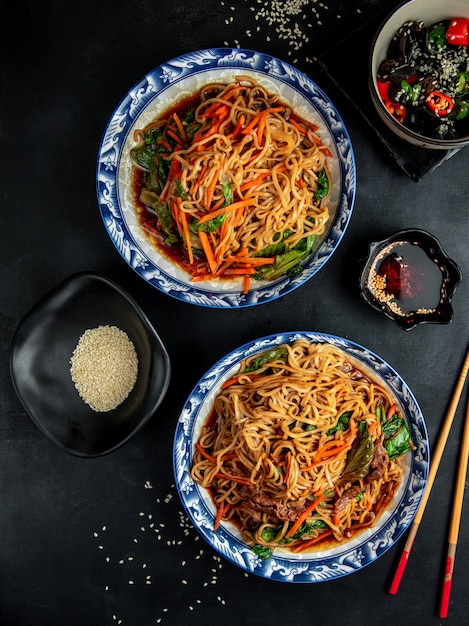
(410, 279)
(41, 357)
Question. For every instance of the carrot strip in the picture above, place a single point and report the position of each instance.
(195, 186)
(258, 117)
(174, 136)
(163, 142)
(306, 513)
(239, 271)
(239, 126)
(330, 449)
(180, 126)
(223, 238)
(206, 275)
(185, 230)
(219, 516)
(258, 260)
(297, 125)
(232, 90)
(218, 204)
(231, 207)
(246, 283)
(204, 240)
(230, 381)
(242, 252)
(255, 181)
(260, 129)
(304, 545)
(235, 479)
(205, 454)
(222, 111)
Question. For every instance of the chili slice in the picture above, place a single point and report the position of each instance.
(439, 103)
(458, 31)
(398, 111)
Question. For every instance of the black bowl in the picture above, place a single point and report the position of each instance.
(410, 279)
(40, 365)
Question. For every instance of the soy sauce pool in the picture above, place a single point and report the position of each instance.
(406, 280)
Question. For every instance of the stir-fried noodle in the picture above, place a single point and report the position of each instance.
(237, 180)
(301, 445)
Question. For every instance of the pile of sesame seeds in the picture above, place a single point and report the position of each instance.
(104, 367)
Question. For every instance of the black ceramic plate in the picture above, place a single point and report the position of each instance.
(40, 365)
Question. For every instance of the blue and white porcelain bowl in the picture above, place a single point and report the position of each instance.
(161, 89)
(284, 566)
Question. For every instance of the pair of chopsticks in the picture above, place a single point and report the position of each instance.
(457, 500)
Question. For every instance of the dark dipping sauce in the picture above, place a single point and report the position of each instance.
(406, 280)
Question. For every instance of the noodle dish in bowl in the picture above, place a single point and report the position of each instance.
(301, 457)
(226, 178)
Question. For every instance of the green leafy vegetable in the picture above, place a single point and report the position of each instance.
(144, 153)
(180, 191)
(208, 227)
(168, 227)
(460, 110)
(380, 413)
(289, 262)
(437, 36)
(323, 185)
(397, 439)
(263, 552)
(342, 423)
(276, 354)
(212, 225)
(307, 527)
(190, 126)
(227, 193)
(276, 248)
(360, 455)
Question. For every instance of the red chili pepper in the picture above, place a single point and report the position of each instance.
(383, 86)
(398, 111)
(439, 103)
(458, 31)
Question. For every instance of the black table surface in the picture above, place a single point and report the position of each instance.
(106, 540)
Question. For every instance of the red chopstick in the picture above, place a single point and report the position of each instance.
(455, 518)
(438, 453)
